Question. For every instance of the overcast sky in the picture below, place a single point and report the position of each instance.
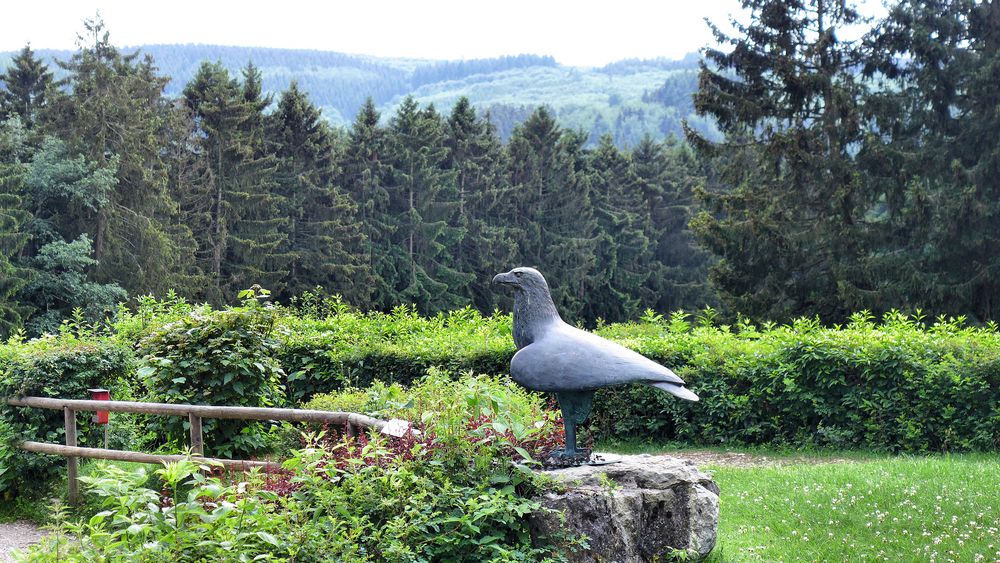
(579, 33)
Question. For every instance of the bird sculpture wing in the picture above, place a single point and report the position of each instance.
(569, 359)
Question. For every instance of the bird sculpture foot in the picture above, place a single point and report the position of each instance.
(563, 458)
(559, 459)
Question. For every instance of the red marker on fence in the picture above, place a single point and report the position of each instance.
(100, 417)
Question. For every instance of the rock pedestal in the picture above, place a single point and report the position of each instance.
(642, 508)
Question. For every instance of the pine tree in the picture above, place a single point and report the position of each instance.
(549, 209)
(365, 175)
(475, 156)
(787, 98)
(426, 204)
(324, 235)
(246, 237)
(26, 87)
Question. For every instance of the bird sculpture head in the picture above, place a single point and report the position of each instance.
(524, 279)
(533, 306)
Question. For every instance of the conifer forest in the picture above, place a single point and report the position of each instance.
(856, 167)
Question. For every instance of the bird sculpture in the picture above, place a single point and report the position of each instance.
(555, 357)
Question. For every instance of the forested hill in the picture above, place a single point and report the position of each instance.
(627, 99)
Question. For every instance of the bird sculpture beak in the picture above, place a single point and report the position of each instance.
(503, 279)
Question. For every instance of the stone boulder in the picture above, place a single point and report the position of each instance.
(639, 509)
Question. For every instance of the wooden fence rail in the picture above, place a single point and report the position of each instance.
(195, 413)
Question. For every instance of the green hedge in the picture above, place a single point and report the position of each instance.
(354, 349)
(63, 366)
(897, 385)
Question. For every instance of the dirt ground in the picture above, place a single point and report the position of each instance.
(17, 535)
(738, 459)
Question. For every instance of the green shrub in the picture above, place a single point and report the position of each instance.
(219, 358)
(355, 349)
(150, 314)
(899, 386)
(489, 419)
(63, 366)
(192, 518)
(439, 496)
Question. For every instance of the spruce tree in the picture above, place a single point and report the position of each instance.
(786, 95)
(549, 207)
(365, 175)
(475, 156)
(26, 88)
(936, 159)
(425, 202)
(624, 253)
(324, 234)
(13, 217)
(245, 239)
(113, 109)
(668, 175)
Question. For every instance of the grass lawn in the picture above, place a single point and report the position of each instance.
(853, 506)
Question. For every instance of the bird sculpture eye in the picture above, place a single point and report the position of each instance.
(518, 274)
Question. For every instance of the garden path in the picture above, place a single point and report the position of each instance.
(17, 535)
(740, 459)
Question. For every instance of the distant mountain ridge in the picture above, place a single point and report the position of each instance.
(626, 99)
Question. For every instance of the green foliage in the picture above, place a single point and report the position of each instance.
(424, 197)
(899, 385)
(111, 112)
(332, 515)
(243, 230)
(217, 193)
(896, 386)
(482, 418)
(150, 314)
(324, 236)
(197, 518)
(354, 349)
(60, 288)
(786, 212)
(549, 207)
(933, 163)
(436, 497)
(217, 358)
(56, 366)
(27, 83)
(13, 216)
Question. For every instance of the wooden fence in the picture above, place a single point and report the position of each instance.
(195, 414)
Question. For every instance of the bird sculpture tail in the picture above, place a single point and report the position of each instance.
(676, 390)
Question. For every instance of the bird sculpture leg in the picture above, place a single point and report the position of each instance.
(569, 449)
(575, 406)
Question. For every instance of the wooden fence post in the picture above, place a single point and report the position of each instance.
(197, 442)
(69, 415)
